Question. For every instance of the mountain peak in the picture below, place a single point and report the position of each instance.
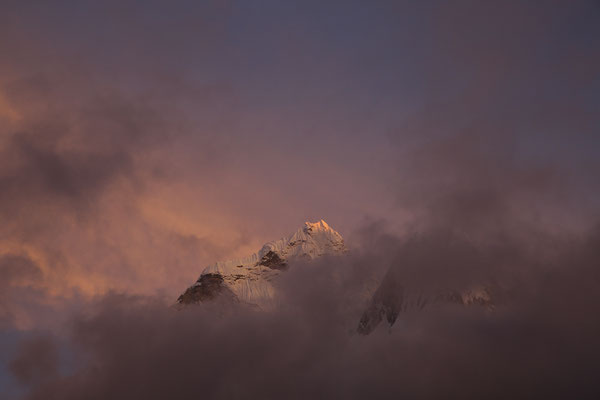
(248, 279)
(320, 225)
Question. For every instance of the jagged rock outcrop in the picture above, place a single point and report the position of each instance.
(210, 287)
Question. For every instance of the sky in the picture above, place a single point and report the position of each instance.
(143, 140)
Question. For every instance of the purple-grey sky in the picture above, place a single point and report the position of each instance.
(143, 140)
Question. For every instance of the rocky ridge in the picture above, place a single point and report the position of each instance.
(249, 279)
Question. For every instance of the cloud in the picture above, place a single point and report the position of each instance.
(37, 361)
(139, 144)
(540, 341)
(18, 276)
(87, 162)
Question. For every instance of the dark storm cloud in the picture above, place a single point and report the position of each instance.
(539, 343)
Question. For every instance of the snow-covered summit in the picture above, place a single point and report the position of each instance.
(248, 279)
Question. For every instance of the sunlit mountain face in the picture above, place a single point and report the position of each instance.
(249, 279)
(151, 153)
